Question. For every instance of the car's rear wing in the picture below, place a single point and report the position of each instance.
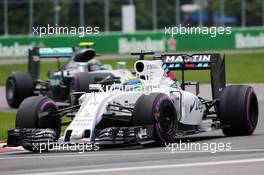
(54, 52)
(36, 53)
(209, 61)
(187, 62)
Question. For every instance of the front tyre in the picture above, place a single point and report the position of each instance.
(157, 109)
(80, 83)
(28, 116)
(238, 110)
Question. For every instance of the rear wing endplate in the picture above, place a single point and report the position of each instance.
(36, 53)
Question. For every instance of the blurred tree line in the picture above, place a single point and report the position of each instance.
(18, 13)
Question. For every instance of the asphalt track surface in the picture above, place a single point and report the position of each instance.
(245, 157)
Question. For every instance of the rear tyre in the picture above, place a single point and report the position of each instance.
(238, 110)
(19, 85)
(28, 115)
(158, 110)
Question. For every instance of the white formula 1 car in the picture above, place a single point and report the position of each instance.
(153, 108)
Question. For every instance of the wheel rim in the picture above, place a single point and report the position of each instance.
(167, 120)
(10, 90)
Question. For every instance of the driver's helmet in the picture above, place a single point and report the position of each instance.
(133, 84)
(93, 65)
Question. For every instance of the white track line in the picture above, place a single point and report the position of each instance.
(152, 167)
(86, 154)
(102, 154)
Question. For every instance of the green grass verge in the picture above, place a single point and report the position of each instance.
(7, 121)
(7, 69)
(240, 68)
